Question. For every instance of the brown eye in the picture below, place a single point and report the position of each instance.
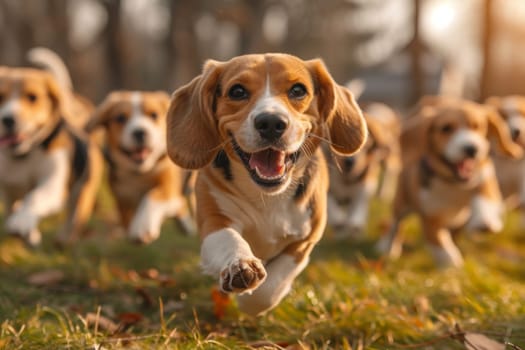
(447, 128)
(297, 91)
(154, 115)
(31, 97)
(238, 92)
(120, 118)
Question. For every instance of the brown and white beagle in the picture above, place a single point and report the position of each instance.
(253, 126)
(510, 171)
(147, 186)
(448, 177)
(46, 164)
(355, 179)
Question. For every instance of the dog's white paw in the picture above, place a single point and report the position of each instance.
(448, 256)
(144, 228)
(242, 275)
(486, 216)
(23, 223)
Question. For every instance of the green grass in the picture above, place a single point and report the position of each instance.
(347, 298)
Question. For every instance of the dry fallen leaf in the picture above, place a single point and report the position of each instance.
(101, 322)
(46, 278)
(128, 319)
(476, 341)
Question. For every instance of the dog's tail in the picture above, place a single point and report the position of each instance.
(45, 58)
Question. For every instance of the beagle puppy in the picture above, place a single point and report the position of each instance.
(46, 164)
(147, 186)
(253, 126)
(511, 172)
(355, 179)
(448, 178)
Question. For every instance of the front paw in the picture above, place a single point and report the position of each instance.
(242, 275)
(24, 224)
(144, 229)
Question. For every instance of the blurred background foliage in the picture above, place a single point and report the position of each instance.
(400, 48)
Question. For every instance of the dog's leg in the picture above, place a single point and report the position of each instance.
(356, 219)
(441, 244)
(82, 198)
(45, 199)
(391, 244)
(151, 212)
(487, 207)
(336, 215)
(224, 253)
(281, 271)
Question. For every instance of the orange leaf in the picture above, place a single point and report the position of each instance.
(130, 318)
(220, 302)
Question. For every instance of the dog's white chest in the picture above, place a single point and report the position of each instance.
(270, 225)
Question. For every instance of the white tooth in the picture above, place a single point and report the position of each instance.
(264, 177)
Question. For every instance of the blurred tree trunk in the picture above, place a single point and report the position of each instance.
(184, 61)
(58, 20)
(114, 44)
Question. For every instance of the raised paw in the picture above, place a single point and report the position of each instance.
(242, 275)
(24, 224)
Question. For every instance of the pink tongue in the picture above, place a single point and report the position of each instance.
(8, 140)
(465, 168)
(140, 154)
(269, 162)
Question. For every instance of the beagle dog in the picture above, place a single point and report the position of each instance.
(147, 186)
(511, 172)
(253, 126)
(448, 177)
(46, 164)
(355, 179)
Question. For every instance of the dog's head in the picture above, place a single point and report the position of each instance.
(512, 110)
(30, 107)
(265, 111)
(135, 123)
(454, 136)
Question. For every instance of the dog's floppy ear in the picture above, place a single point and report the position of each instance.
(55, 94)
(193, 138)
(101, 114)
(414, 133)
(499, 129)
(337, 107)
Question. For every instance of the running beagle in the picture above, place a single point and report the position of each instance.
(448, 177)
(355, 179)
(147, 186)
(253, 126)
(46, 163)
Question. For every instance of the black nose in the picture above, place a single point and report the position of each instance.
(349, 163)
(139, 135)
(470, 151)
(515, 133)
(270, 126)
(8, 122)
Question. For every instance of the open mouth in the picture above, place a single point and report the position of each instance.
(11, 140)
(267, 167)
(138, 155)
(465, 169)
